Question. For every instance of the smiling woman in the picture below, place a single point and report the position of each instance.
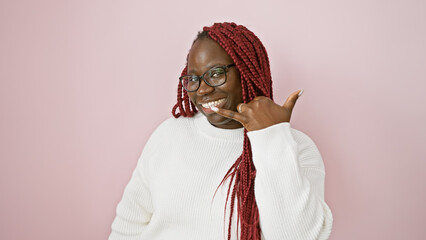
(239, 161)
(205, 56)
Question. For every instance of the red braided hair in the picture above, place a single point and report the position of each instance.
(251, 59)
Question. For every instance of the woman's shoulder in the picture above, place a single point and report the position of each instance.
(167, 132)
(173, 123)
(174, 126)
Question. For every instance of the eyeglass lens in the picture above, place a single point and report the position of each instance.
(214, 77)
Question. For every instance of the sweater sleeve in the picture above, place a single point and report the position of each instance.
(289, 185)
(135, 209)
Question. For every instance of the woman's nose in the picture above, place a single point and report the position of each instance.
(204, 88)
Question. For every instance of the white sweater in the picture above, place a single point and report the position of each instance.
(170, 194)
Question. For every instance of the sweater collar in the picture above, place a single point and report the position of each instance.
(226, 134)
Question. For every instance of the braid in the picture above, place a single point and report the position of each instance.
(189, 110)
(251, 59)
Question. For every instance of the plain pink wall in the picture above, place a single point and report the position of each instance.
(84, 83)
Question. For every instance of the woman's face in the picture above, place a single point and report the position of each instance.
(204, 55)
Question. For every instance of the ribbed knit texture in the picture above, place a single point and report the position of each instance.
(170, 194)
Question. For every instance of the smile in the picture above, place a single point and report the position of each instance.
(213, 103)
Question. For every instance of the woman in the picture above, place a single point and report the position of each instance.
(271, 176)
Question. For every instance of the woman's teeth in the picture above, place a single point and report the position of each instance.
(213, 104)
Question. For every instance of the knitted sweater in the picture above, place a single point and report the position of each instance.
(170, 193)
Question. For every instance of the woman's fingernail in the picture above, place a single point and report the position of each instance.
(300, 93)
(215, 109)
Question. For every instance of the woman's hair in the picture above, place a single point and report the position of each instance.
(251, 59)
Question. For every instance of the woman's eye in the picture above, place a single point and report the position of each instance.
(217, 73)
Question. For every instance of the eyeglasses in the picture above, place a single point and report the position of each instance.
(214, 77)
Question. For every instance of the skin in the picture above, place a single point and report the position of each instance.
(259, 113)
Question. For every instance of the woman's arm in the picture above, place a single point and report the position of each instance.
(289, 184)
(134, 211)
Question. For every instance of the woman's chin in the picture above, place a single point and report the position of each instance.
(217, 120)
(223, 122)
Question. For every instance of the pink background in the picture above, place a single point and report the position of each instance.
(84, 83)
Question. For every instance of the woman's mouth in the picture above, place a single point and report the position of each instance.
(207, 106)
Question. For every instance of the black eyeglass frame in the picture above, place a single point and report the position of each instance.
(225, 68)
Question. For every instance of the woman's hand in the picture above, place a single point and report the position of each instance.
(261, 112)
